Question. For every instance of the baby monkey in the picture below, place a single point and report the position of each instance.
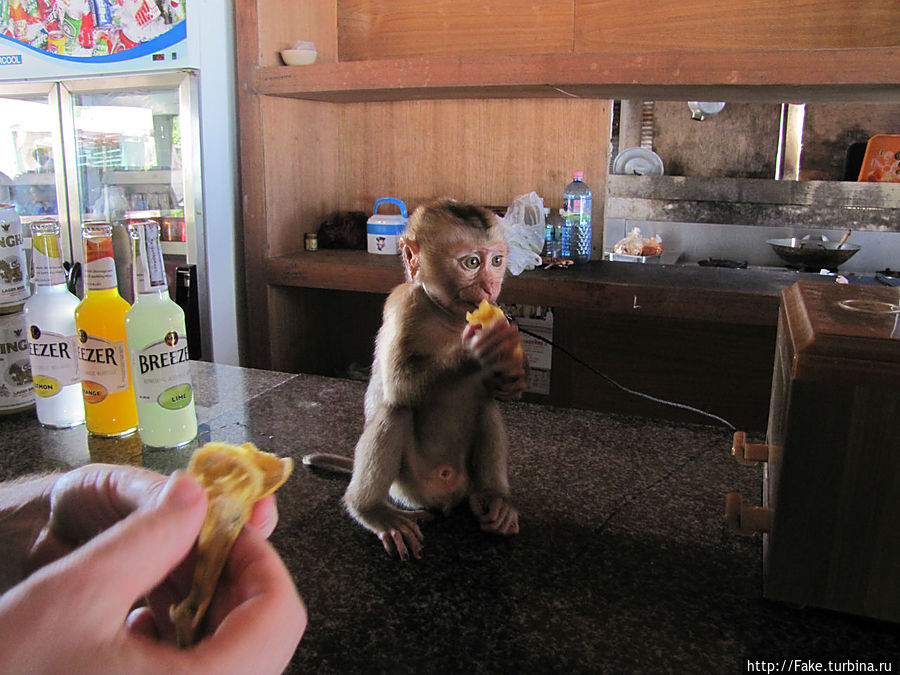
(433, 433)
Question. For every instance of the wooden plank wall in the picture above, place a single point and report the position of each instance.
(283, 23)
(613, 25)
(302, 161)
(325, 157)
(376, 29)
(485, 151)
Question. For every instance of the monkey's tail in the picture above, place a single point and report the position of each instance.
(329, 462)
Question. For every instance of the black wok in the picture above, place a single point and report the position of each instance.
(812, 255)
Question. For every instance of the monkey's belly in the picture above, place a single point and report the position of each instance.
(441, 487)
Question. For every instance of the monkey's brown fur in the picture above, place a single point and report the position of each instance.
(433, 433)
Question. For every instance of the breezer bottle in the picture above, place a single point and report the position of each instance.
(109, 404)
(158, 348)
(50, 322)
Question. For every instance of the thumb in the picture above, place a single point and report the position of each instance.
(133, 556)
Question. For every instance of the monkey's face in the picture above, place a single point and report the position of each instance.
(463, 271)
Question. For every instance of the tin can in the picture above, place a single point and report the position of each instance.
(16, 390)
(86, 31)
(14, 288)
(104, 40)
(56, 42)
(102, 12)
(311, 241)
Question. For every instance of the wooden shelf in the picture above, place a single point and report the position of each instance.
(744, 297)
(337, 270)
(802, 75)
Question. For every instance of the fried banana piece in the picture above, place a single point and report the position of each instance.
(487, 314)
(235, 477)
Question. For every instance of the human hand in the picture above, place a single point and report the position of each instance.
(498, 348)
(117, 534)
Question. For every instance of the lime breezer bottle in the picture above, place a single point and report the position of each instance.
(157, 343)
(103, 366)
(50, 321)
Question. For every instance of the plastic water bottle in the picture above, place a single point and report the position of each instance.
(551, 241)
(576, 231)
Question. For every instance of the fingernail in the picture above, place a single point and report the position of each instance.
(181, 490)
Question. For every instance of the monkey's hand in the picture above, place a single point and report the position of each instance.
(498, 349)
(495, 513)
(398, 530)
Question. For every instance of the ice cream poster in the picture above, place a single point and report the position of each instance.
(93, 30)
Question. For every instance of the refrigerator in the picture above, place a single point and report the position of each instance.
(129, 114)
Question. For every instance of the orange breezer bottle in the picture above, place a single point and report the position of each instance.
(109, 404)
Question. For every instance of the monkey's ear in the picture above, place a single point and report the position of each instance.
(410, 250)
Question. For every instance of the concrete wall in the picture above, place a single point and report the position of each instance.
(742, 140)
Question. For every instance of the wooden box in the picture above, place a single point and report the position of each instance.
(832, 479)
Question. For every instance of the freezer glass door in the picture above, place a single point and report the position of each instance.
(31, 175)
(132, 162)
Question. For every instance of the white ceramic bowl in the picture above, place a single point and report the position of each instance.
(298, 57)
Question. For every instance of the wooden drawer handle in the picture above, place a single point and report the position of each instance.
(747, 519)
(749, 454)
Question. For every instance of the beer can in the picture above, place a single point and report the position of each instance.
(71, 26)
(103, 41)
(56, 42)
(102, 12)
(14, 288)
(16, 390)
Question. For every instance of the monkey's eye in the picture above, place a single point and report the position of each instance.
(497, 260)
(471, 262)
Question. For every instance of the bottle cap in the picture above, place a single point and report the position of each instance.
(578, 175)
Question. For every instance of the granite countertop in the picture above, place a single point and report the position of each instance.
(623, 563)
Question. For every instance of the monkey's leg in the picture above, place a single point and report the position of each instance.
(490, 500)
(376, 465)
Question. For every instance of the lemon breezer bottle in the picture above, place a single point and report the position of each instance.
(50, 321)
(158, 348)
(102, 353)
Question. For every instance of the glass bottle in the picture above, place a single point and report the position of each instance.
(110, 408)
(50, 324)
(158, 348)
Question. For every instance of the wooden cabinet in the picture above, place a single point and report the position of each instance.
(833, 473)
(479, 101)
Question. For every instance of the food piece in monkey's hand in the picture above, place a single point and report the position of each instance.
(486, 315)
(235, 477)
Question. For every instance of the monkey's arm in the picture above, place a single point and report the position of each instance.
(376, 464)
(414, 353)
(495, 348)
(489, 500)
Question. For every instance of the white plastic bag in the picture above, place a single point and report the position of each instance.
(523, 225)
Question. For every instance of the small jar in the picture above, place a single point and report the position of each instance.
(311, 241)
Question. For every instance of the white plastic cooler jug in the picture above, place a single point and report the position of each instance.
(383, 231)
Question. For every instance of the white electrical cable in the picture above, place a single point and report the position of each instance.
(628, 390)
